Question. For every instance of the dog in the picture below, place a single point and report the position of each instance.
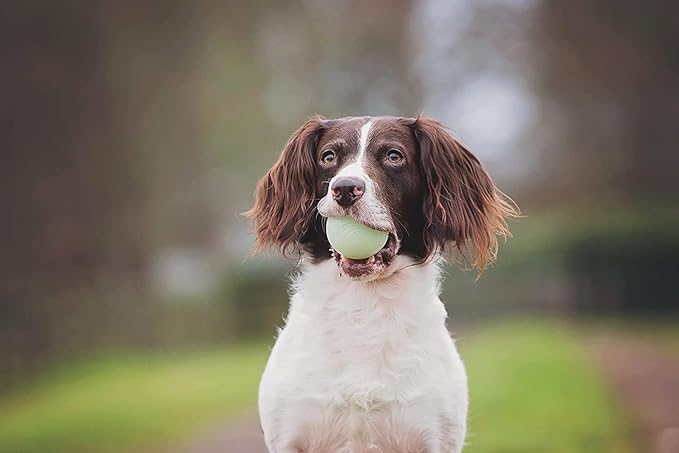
(365, 363)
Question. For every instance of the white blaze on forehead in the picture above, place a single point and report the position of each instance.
(363, 143)
(356, 167)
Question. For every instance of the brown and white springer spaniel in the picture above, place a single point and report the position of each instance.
(364, 362)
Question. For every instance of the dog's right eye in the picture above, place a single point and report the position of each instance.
(328, 156)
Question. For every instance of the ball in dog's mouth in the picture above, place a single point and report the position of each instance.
(359, 269)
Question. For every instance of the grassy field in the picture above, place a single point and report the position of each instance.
(533, 389)
(124, 404)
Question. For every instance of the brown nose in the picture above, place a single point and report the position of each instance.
(347, 190)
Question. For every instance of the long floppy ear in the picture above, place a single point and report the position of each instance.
(285, 196)
(462, 206)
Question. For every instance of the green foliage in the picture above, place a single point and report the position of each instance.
(534, 389)
(116, 404)
(549, 236)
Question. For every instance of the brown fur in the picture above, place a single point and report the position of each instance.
(286, 196)
(462, 206)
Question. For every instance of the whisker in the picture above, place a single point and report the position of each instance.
(400, 224)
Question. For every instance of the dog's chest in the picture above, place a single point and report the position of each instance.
(367, 376)
(361, 357)
(355, 365)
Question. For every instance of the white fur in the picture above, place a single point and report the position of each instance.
(365, 132)
(364, 367)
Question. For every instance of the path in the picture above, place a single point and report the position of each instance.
(243, 436)
(646, 377)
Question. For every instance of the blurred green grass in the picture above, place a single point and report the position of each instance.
(533, 389)
(125, 403)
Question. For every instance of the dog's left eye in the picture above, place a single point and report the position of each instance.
(328, 156)
(394, 156)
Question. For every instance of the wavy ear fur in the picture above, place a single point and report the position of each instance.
(285, 196)
(462, 206)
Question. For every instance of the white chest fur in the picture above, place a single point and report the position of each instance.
(364, 367)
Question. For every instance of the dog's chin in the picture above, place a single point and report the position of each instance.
(370, 268)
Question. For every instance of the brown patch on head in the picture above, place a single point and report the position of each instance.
(462, 206)
(399, 182)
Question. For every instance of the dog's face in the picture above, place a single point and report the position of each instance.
(407, 177)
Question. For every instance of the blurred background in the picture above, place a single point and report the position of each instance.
(132, 316)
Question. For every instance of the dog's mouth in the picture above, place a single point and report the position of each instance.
(371, 266)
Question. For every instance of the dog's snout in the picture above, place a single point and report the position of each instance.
(347, 190)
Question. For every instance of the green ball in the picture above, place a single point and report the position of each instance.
(353, 239)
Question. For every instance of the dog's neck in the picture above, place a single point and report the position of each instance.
(407, 285)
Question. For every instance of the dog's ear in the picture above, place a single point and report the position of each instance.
(285, 197)
(462, 206)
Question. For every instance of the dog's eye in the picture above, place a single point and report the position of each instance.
(328, 156)
(394, 156)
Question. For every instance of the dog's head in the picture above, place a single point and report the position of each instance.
(408, 177)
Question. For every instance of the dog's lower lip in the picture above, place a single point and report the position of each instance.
(372, 265)
(369, 260)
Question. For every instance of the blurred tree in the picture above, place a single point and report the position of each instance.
(103, 164)
(609, 79)
(65, 174)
